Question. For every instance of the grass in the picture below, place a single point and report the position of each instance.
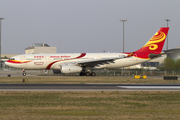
(100, 105)
(89, 105)
(82, 80)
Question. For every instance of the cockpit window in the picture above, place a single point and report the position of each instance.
(12, 58)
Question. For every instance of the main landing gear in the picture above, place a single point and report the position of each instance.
(23, 74)
(87, 73)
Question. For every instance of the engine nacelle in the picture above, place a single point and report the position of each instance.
(70, 69)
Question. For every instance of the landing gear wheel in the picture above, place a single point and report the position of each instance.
(88, 74)
(24, 74)
(93, 74)
(82, 74)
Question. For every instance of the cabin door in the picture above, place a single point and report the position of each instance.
(23, 63)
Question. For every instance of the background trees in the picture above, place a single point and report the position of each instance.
(170, 64)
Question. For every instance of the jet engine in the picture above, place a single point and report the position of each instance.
(70, 69)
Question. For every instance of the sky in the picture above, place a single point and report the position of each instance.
(91, 26)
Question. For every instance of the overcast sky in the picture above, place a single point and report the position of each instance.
(86, 25)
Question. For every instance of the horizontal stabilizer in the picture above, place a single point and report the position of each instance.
(152, 55)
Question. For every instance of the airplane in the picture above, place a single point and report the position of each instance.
(85, 63)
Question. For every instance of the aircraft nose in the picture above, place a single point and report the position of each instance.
(7, 63)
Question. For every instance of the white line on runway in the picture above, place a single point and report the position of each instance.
(150, 87)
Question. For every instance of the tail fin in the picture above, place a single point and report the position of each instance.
(154, 45)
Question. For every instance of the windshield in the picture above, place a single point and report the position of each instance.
(12, 59)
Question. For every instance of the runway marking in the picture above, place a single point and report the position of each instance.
(150, 87)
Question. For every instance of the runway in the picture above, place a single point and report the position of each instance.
(89, 87)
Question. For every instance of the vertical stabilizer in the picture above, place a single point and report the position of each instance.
(154, 45)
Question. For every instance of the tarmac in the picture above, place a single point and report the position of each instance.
(89, 87)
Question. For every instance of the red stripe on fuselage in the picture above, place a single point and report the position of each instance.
(82, 55)
(49, 66)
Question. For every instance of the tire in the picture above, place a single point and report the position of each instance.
(88, 74)
(82, 74)
(93, 74)
(24, 74)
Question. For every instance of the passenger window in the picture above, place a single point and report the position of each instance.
(121, 56)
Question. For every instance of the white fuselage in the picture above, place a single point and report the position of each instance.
(54, 61)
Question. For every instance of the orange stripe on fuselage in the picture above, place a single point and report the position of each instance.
(17, 61)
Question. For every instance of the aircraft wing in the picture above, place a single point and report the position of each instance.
(96, 62)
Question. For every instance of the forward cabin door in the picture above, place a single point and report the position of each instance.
(23, 59)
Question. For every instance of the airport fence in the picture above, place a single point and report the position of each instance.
(101, 72)
(132, 72)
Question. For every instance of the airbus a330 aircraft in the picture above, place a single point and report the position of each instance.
(84, 63)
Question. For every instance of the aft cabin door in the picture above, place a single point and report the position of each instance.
(135, 57)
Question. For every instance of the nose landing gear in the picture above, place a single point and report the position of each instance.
(23, 74)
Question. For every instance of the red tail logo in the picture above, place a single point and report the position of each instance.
(154, 45)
